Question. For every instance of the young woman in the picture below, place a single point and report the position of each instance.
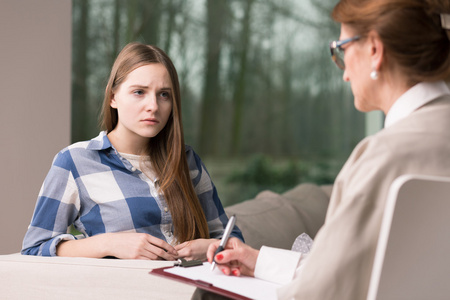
(396, 55)
(136, 190)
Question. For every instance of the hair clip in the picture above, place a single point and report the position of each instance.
(445, 21)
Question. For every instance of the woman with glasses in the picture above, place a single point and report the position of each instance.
(135, 191)
(396, 56)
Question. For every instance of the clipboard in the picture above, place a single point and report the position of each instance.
(198, 283)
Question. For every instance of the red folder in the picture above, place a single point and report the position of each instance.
(198, 283)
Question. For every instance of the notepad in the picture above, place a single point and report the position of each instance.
(245, 286)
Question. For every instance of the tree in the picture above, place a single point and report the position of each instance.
(216, 18)
(240, 83)
(80, 70)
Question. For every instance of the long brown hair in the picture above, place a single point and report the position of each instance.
(410, 30)
(167, 149)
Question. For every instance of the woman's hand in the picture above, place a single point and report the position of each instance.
(126, 245)
(195, 249)
(237, 259)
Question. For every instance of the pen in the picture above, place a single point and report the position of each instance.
(224, 240)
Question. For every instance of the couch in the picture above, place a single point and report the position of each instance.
(269, 219)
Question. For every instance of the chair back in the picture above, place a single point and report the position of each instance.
(412, 259)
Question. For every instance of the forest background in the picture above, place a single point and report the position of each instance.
(262, 103)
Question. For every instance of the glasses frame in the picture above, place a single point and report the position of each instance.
(336, 46)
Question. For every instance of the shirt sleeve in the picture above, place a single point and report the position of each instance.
(278, 265)
(56, 209)
(208, 197)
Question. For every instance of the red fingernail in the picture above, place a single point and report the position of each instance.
(235, 272)
(219, 256)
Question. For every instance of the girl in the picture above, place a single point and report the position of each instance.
(136, 190)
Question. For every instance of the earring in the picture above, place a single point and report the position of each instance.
(374, 75)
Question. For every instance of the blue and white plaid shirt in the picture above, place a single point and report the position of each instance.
(92, 187)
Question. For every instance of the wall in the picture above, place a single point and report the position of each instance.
(35, 62)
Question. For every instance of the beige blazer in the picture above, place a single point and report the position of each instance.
(340, 263)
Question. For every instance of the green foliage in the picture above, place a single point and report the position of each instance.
(263, 173)
(73, 231)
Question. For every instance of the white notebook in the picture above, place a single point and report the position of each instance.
(249, 287)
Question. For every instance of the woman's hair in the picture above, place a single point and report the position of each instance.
(167, 149)
(410, 30)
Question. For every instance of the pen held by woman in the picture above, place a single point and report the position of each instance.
(224, 240)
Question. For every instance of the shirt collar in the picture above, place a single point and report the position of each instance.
(101, 142)
(414, 98)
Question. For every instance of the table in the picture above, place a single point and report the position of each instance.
(34, 277)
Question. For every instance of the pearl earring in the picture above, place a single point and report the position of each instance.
(374, 75)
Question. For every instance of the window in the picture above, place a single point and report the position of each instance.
(263, 104)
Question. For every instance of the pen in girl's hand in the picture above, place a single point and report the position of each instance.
(224, 240)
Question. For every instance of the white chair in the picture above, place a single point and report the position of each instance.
(412, 259)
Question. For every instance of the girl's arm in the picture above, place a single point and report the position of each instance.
(57, 207)
(120, 245)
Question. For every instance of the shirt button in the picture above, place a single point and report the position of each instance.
(166, 209)
(133, 169)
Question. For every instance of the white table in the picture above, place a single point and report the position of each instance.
(32, 277)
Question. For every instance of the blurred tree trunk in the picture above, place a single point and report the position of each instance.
(151, 18)
(171, 7)
(116, 32)
(131, 20)
(286, 123)
(268, 87)
(80, 71)
(240, 83)
(144, 17)
(216, 17)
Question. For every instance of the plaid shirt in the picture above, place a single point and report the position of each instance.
(92, 187)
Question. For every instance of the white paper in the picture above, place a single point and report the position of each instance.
(246, 286)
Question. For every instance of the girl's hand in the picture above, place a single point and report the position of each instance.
(140, 246)
(195, 249)
(126, 245)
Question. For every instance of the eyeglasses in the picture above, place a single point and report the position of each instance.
(337, 52)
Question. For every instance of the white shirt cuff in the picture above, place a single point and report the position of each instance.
(56, 240)
(277, 265)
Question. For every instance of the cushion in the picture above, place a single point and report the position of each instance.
(275, 220)
(311, 201)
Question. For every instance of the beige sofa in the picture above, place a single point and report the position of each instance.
(269, 219)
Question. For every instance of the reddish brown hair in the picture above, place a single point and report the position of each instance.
(410, 30)
(167, 149)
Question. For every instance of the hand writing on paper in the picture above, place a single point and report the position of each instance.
(237, 258)
(195, 249)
